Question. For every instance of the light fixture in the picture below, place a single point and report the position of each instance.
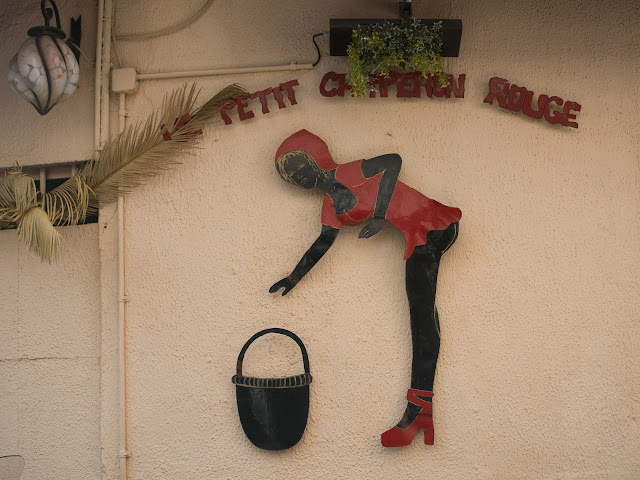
(45, 70)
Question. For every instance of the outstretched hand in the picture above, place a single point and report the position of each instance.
(371, 229)
(287, 283)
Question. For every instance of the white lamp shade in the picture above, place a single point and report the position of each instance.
(44, 71)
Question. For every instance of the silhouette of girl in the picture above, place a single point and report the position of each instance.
(369, 190)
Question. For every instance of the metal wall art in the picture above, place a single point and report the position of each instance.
(369, 191)
(241, 104)
(515, 98)
(407, 85)
(273, 411)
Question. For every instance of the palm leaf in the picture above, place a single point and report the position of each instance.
(17, 195)
(145, 150)
(6, 192)
(138, 153)
(17, 190)
(38, 234)
(67, 204)
(215, 104)
(9, 218)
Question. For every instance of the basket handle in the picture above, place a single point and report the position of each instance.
(281, 331)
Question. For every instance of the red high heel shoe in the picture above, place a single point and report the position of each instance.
(401, 437)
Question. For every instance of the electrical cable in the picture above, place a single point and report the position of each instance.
(317, 48)
(115, 47)
(70, 42)
(168, 30)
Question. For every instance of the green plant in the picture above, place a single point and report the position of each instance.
(138, 153)
(384, 47)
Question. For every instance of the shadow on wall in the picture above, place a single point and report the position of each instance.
(11, 467)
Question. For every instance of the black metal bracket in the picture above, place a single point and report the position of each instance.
(340, 33)
(75, 35)
(406, 10)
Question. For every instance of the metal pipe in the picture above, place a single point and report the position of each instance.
(43, 180)
(105, 71)
(224, 71)
(122, 113)
(98, 79)
(122, 299)
(122, 316)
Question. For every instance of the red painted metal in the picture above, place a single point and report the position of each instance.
(179, 123)
(288, 87)
(401, 437)
(223, 112)
(244, 110)
(515, 98)
(277, 94)
(242, 114)
(262, 95)
(408, 85)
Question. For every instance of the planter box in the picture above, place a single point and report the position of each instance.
(341, 29)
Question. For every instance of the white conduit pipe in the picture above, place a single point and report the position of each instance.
(224, 71)
(98, 74)
(102, 99)
(105, 71)
(121, 267)
(124, 453)
(122, 112)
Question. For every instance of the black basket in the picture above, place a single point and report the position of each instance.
(273, 411)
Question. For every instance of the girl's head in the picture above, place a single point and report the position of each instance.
(299, 168)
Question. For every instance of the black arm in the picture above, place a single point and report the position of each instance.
(389, 165)
(309, 259)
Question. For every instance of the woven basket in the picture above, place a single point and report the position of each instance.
(273, 411)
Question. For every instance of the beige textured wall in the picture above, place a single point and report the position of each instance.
(539, 368)
(49, 315)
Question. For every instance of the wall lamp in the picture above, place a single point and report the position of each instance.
(45, 70)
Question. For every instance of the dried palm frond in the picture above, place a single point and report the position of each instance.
(140, 151)
(67, 204)
(215, 104)
(9, 218)
(6, 192)
(17, 190)
(145, 150)
(37, 233)
(137, 154)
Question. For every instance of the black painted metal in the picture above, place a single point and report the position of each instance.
(406, 10)
(47, 14)
(340, 32)
(75, 35)
(273, 411)
(315, 252)
(421, 282)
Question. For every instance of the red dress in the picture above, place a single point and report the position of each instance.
(409, 211)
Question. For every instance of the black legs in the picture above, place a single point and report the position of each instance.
(421, 282)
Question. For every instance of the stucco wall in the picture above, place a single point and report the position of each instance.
(50, 314)
(50, 357)
(538, 299)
